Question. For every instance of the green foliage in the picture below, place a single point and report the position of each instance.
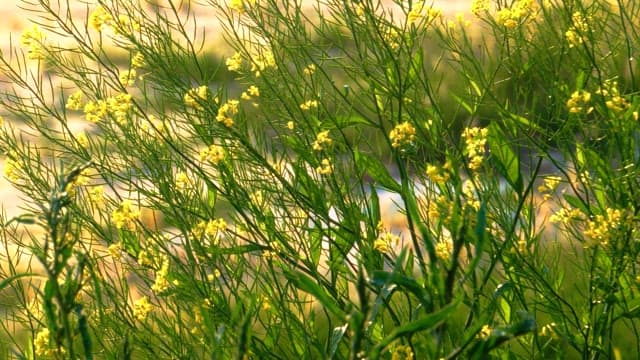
(345, 180)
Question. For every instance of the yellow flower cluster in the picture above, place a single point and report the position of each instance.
(212, 228)
(309, 70)
(96, 195)
(262, 61)
(252, 91)
(81, 180)
(125, 216)
(402, 352)
(240, 6)
(602, 228)
(74, 102)
(565, 215)
(234, 63)
(485, 332)
(161, 284)
(385, 240)
(439, 175)
(127, 77)
(309, 104)
(325, 167)
(579, 101)
(392, 37)
(43, 346)
(475, 140)
(99, 17)
(549, 185)
(512, 17)
(115, 250)
(12, 169)
(423, 15)
(322, 141)
(479, 7)
(213, 154)
(613, 100)
(444, 250)
(33, 40)
(117, 106)
(142, 308)
(469, 191)
(196, 96)
(82, 141)
(402, 134)
(41, 342)
(577, 32)
(183, 182)
(226, 111)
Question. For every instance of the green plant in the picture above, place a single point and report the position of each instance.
(240, 209)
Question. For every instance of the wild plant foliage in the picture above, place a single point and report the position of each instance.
(330, 179)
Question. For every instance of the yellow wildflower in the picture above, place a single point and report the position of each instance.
(479, 7)
(325, 167)
(125, 216)
(141, 308)
(226, 111)
(322, 141)
(402, 353)
(385, 240)
(577, 32)
(291, 125)
(196, 96)
(137, 61)
(252, 91)
(444, 250)
(213, 154)
(402, 134)
(309, 104)
(579, 101)
(549, 185)
(182, 181)
(74, 102)
(439, 175)
(119, 106)
(127, 77)
(33, 39)
(240, 6)
(485, 332)
(12, 170)
(234, 63)
(41, 343)
(309, 70)
(262, 61)
(115, 250)
(99, 17)
(601, 228)
(96, 195)
(565, 215)
(475, 140)
(161, 284)
(94, 111)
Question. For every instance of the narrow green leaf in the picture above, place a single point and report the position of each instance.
(308, 285)
(425, 323)
(211, 197)
(507, 161)
(575, 202)
(336, 336)
(377, 171)
(5, 282)
(384, 278)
